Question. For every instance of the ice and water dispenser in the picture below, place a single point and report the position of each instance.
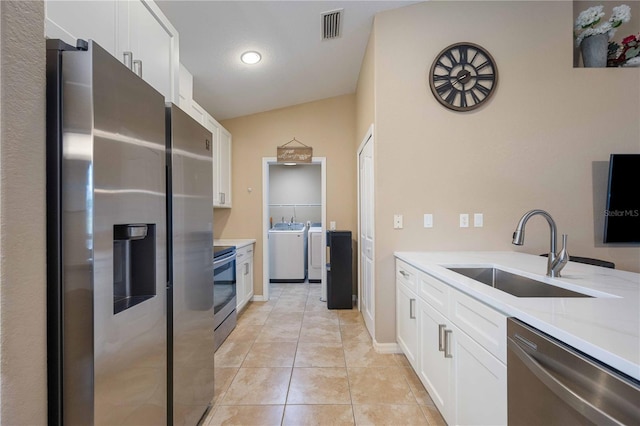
(134, 265)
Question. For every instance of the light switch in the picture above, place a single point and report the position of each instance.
(428, 220)
(464, 220)
(397, 221)
(478, 220)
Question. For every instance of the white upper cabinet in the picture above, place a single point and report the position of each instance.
(71, 20)
(224, 169)
(221, 162)
(136, 26)
(185, 89)
(200, 115)
(149, 36)
(221, 140)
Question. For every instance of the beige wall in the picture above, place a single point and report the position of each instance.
(328, 126)
(365, 102)
(541, 142)
(22, 215)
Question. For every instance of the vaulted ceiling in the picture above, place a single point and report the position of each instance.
(297, 64)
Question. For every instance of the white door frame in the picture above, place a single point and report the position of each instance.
(368, 136)
(266, 162)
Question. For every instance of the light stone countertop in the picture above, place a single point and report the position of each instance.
(606, 327)
(239, 243)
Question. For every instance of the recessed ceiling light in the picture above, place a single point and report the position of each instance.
(250, 57)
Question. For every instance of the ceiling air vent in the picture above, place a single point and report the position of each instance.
(332, 24)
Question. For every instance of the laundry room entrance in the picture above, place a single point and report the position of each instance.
(294, 217)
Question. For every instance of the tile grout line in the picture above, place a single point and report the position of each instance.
(293, 364)
(344, 355)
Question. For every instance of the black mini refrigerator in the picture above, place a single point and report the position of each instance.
(339, 270)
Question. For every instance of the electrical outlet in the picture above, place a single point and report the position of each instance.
(464, 220)
(478, 220)
(428, 220)
(397, 221)
(332, 226)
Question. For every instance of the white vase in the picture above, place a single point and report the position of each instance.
(594, 51)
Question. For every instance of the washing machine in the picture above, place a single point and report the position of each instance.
(314, 253)
(288, 253)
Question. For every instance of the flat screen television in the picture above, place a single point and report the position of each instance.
(622, 214)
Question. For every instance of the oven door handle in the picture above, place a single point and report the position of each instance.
(224, 260)
(563, 392)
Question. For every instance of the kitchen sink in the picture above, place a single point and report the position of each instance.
(516, 285)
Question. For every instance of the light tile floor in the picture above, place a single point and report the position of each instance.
(291, 361)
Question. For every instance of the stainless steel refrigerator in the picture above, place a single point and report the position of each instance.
(191, 250)
(129, 246)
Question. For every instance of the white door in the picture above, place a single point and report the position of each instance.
(225, 168)
(366, 208)
(479, 388)
(434, 369)
(407, 323)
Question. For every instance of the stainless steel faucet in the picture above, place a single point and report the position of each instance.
(556, 261)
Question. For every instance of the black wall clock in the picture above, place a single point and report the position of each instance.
(463, 76)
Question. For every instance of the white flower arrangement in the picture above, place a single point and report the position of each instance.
(633, 62)
(587, 20)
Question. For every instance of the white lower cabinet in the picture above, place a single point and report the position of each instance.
(479, 383)
(407, 323)
(465, 377)
(244, 276)
(434, 370)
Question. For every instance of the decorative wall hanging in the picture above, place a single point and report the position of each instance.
(463, 76)
(295, 154)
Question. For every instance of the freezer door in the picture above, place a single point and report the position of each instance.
(192, 283)
(113, 213)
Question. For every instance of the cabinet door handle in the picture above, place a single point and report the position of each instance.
(137, 67)
(412, 305)
(127, 59)
(441, 328)
(221, 197)
(447, 344)
(404, 274)
(246, 269)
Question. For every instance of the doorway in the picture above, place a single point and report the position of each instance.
(366, 255)
(285, 199)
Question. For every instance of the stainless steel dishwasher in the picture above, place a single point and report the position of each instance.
(550, 383)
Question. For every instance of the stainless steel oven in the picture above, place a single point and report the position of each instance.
(224, 292)
(550, 383)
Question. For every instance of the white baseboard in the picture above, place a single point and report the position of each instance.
(258, 298)
(386, 348)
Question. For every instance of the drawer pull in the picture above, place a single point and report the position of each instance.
(405, 274)
(412, 305)
(441, 328)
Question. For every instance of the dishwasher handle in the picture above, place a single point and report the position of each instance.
(559, 389)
